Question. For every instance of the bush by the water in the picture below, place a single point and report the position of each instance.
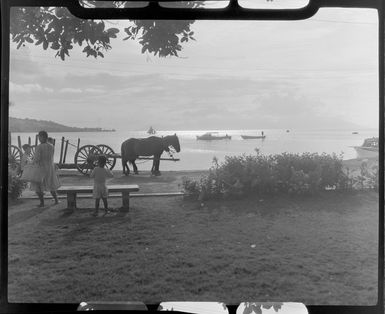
(306, 173)
(15, 185)
(366, 179)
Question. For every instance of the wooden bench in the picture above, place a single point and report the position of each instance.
(72, 192)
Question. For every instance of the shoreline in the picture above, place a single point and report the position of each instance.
(353, 162)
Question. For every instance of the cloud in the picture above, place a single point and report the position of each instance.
(236, 75)
(28, 88)
(95, 90)
(70, 90)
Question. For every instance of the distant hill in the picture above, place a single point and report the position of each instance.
(32, 125)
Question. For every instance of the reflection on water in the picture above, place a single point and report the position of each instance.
(198, 155)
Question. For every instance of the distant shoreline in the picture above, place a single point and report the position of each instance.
(17, 125)
(61, 131)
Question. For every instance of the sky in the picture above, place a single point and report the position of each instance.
(320, 73)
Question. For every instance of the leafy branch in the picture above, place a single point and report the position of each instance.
(57, 29)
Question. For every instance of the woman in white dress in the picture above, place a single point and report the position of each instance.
(44, 159)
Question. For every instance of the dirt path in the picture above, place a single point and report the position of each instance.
(169, 182)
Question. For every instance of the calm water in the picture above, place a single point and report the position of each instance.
(197, 155)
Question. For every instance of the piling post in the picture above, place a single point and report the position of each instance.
(19, 141)
(65, 152)
(78, 143)
(61, 151)
(29, 140)
(36, 137)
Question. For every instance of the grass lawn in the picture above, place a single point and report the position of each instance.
(317, 250)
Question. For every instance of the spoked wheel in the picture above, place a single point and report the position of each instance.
(86, 158)
(109, 153)
(33, 151)
(14, 157)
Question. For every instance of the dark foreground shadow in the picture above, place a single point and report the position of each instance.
(24, 215)
(84, 216)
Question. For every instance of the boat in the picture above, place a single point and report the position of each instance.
(354, 132)
(368, 149)
(209, 136)
(151, 130)
(247, 137)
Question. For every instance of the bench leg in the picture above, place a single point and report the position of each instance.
(71, 200)
(126, 200)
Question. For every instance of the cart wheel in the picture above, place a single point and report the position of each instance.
(33, 151)
(14, 157)
(109, 153)
(86, 158)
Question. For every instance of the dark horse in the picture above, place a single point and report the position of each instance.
(132, 148)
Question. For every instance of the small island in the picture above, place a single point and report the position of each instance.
(31, 125)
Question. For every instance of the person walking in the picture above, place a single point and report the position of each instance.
(44, 159)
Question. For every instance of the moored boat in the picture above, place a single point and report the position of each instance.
(368, 149)
(247, 137)
(151, 130)
(209, 137)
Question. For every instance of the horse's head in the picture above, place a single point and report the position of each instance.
(172, 140)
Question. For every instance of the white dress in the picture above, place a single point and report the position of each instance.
(44, 158)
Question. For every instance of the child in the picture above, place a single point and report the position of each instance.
(100, 189)
(51, 141)
(26, 157)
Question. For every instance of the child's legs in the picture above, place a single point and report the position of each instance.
(97, 201)
(105, 202)
(54, 195)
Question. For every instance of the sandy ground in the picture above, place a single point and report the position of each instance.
(168, 182)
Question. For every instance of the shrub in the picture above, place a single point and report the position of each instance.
(366, 179)
(258, 174)
(13, 165)
(191, 187)
(15, 185)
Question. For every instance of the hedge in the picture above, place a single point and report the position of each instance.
(306, 173)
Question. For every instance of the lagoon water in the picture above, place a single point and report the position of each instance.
(198, 155)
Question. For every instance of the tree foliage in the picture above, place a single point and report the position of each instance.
(58, 29)
(160, 37)
(15, 184)
(257, 308)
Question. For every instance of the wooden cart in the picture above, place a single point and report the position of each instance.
(85, 158)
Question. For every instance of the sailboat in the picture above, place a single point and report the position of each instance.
(151, 130)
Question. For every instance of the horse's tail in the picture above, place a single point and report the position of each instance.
(123, 155)
(126, 151)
